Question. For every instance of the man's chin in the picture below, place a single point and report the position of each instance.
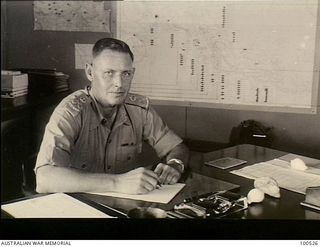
(117, 101)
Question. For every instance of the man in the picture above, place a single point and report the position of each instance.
(94, 135)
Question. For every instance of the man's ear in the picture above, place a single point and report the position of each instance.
(89, 72)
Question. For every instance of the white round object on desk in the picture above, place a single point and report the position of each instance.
(255, 195)
(298, 164)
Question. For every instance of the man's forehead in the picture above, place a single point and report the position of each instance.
(112, 54)
(110, 58)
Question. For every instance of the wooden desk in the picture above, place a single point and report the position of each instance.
(205, 179)
(196, 184)
(287, 207)
(261, 220)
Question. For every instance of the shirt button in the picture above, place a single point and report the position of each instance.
(104, 121)
(83, 166)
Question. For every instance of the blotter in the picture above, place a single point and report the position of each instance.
(162, 195)
(225, 163)
(57, 205)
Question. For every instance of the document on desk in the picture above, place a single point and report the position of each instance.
(162, 195)
(312, 164)
(57, 205)
(285, 176)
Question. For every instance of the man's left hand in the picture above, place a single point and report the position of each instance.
(167, 174)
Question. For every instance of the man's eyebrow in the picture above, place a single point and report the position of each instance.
(112, 69)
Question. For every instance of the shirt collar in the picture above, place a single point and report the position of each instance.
(122, 117)
(95, 105)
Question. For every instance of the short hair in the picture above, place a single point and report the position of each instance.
(111, 44)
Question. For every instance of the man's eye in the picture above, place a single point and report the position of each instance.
(127, 73)
(109, 73)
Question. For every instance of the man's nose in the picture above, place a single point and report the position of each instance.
(117, 81)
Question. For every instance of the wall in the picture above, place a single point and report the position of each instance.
(299, 133)
(3, 32)
(44, 49)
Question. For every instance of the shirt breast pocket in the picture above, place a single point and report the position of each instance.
(127, 153)
(80, 160)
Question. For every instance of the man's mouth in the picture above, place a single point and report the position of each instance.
(117, 93)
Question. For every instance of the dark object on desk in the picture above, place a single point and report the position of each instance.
(225, 163)
(251, 132)
(214, 205)
(187, 212)
(312, 198)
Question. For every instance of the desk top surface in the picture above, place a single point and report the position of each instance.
(286, 207)
(203, 179)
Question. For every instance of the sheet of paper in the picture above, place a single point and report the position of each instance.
(57, 205)
(162, 195)
(312, 164)
(286, 177)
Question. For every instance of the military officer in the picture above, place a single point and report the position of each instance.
(94, 135)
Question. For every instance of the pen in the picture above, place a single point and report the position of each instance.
(159, 185)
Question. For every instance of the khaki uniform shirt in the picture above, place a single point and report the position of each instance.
(78, 136)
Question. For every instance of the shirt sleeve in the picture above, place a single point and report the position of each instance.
(158, 135)
(58, 140)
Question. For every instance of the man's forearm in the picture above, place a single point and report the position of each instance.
(180, 152)
(63, 179)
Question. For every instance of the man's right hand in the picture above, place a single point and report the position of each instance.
(137, 181)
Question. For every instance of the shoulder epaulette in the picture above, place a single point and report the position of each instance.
(76, 101)
(138, 100)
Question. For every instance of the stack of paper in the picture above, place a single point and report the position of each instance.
(57, 205)
(14, 86)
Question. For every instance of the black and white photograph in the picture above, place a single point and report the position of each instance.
(160, 120)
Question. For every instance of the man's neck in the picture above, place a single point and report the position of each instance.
(107, 111)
